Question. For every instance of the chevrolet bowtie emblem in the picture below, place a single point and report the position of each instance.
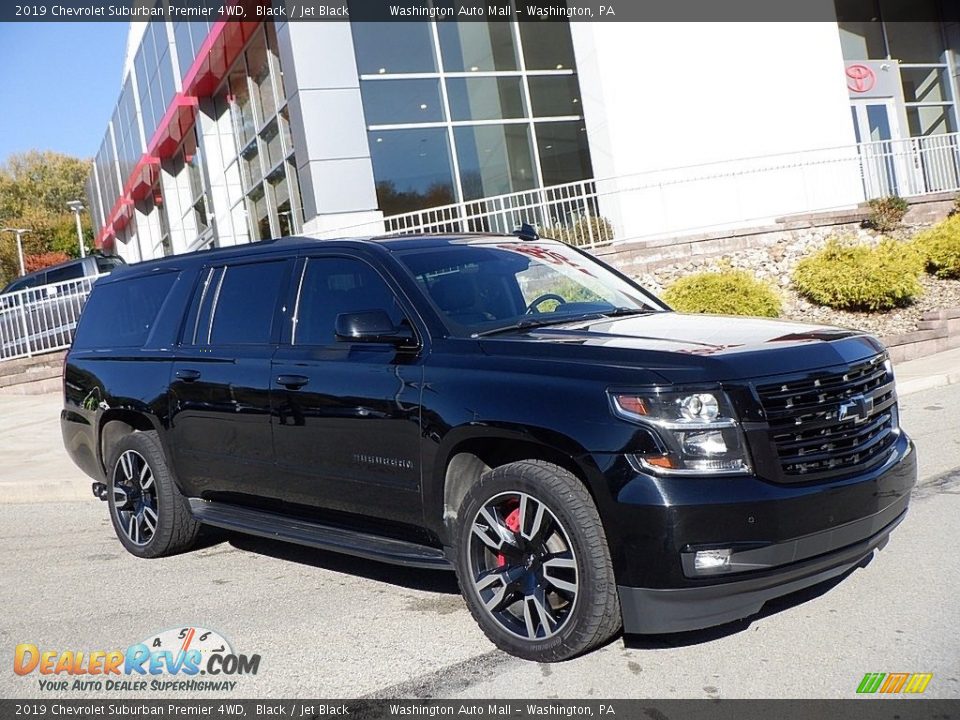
(858, 408)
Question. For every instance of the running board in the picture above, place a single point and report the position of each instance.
(302, 532)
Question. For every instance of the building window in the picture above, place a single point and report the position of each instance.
(412, 168)
(192, 202)
(269, 200)
(393, 47)
(494, 159)
(153, 65)
(455, 111)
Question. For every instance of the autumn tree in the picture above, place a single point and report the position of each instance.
(35, 188)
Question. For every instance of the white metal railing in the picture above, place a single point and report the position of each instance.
(706, 196)
(912, 166)
(41, 319)
(569, 212)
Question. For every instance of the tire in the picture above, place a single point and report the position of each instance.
(528, 539)
(150, 516)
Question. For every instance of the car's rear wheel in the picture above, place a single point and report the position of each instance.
(149, 515)
(533, 562)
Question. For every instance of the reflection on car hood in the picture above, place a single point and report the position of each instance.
(692, 348)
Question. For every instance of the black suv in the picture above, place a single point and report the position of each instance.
(512, 409)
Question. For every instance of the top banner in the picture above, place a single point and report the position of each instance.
(470, 10)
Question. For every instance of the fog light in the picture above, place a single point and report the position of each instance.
(712, 560)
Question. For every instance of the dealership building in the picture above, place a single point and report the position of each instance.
(230, 132)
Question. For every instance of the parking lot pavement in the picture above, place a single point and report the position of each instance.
(33, 464)
(329, 626)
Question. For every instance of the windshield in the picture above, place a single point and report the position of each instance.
(480, 288)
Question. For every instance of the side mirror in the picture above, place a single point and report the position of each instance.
(372, 326)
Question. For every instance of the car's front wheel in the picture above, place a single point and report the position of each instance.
(533, 562)
(150, 516)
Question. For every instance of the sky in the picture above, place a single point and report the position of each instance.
(59, 83)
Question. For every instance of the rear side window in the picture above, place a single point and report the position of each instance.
(121, 314)
(242, 301)
(106, 263)
(69, 272)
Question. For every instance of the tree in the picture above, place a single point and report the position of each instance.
(35, 188)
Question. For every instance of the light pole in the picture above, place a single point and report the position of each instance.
(77, 208)
(19, 232)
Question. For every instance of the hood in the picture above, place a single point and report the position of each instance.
(685, 348)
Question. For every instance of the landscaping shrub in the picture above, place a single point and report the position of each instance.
(887, 213)
(860, 277)
(940, 248)
(41, 260)
(956, 206)
(729, 292)
(579, 232)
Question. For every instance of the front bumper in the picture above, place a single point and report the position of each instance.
(783, 538)
(668, 610)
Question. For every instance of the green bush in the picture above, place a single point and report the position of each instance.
(887, 213)
(940, 248)
(956, 206)
(860, 277)
(728, 292)
(580, 232)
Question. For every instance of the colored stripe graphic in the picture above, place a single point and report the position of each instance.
(870, 682)
(918, 682)
(892, 683)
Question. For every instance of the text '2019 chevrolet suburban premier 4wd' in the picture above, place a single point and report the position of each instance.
(583, 457)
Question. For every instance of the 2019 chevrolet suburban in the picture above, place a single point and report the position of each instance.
(584, 458)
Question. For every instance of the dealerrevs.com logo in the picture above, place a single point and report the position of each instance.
(172, 660)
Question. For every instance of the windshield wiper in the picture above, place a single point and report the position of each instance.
(531, 322)
(622, 311)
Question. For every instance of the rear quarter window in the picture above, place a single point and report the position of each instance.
(68, 272)
(121, 314)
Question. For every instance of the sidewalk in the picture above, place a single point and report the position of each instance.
(933, 371)
(35, 468)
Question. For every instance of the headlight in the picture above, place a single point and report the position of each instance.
(697, 429)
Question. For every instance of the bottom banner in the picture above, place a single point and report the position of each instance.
(854, 709)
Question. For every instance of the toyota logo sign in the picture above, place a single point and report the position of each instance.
(860, 78)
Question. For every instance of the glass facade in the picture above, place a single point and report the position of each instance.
(454, 112)
(458, 111)
(258, 155)
(243, 128)
(153, 63)
(926, 64)
(189, 37)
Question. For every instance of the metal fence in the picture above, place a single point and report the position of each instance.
(913, 166)
(569, 212)
(41, 319)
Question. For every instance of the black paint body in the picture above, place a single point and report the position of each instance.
(317, 451)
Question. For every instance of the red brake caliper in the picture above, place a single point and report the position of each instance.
(512, 521)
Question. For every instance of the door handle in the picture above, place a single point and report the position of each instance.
(188, 375)
(292, 382)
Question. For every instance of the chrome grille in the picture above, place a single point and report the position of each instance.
(831, 424)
